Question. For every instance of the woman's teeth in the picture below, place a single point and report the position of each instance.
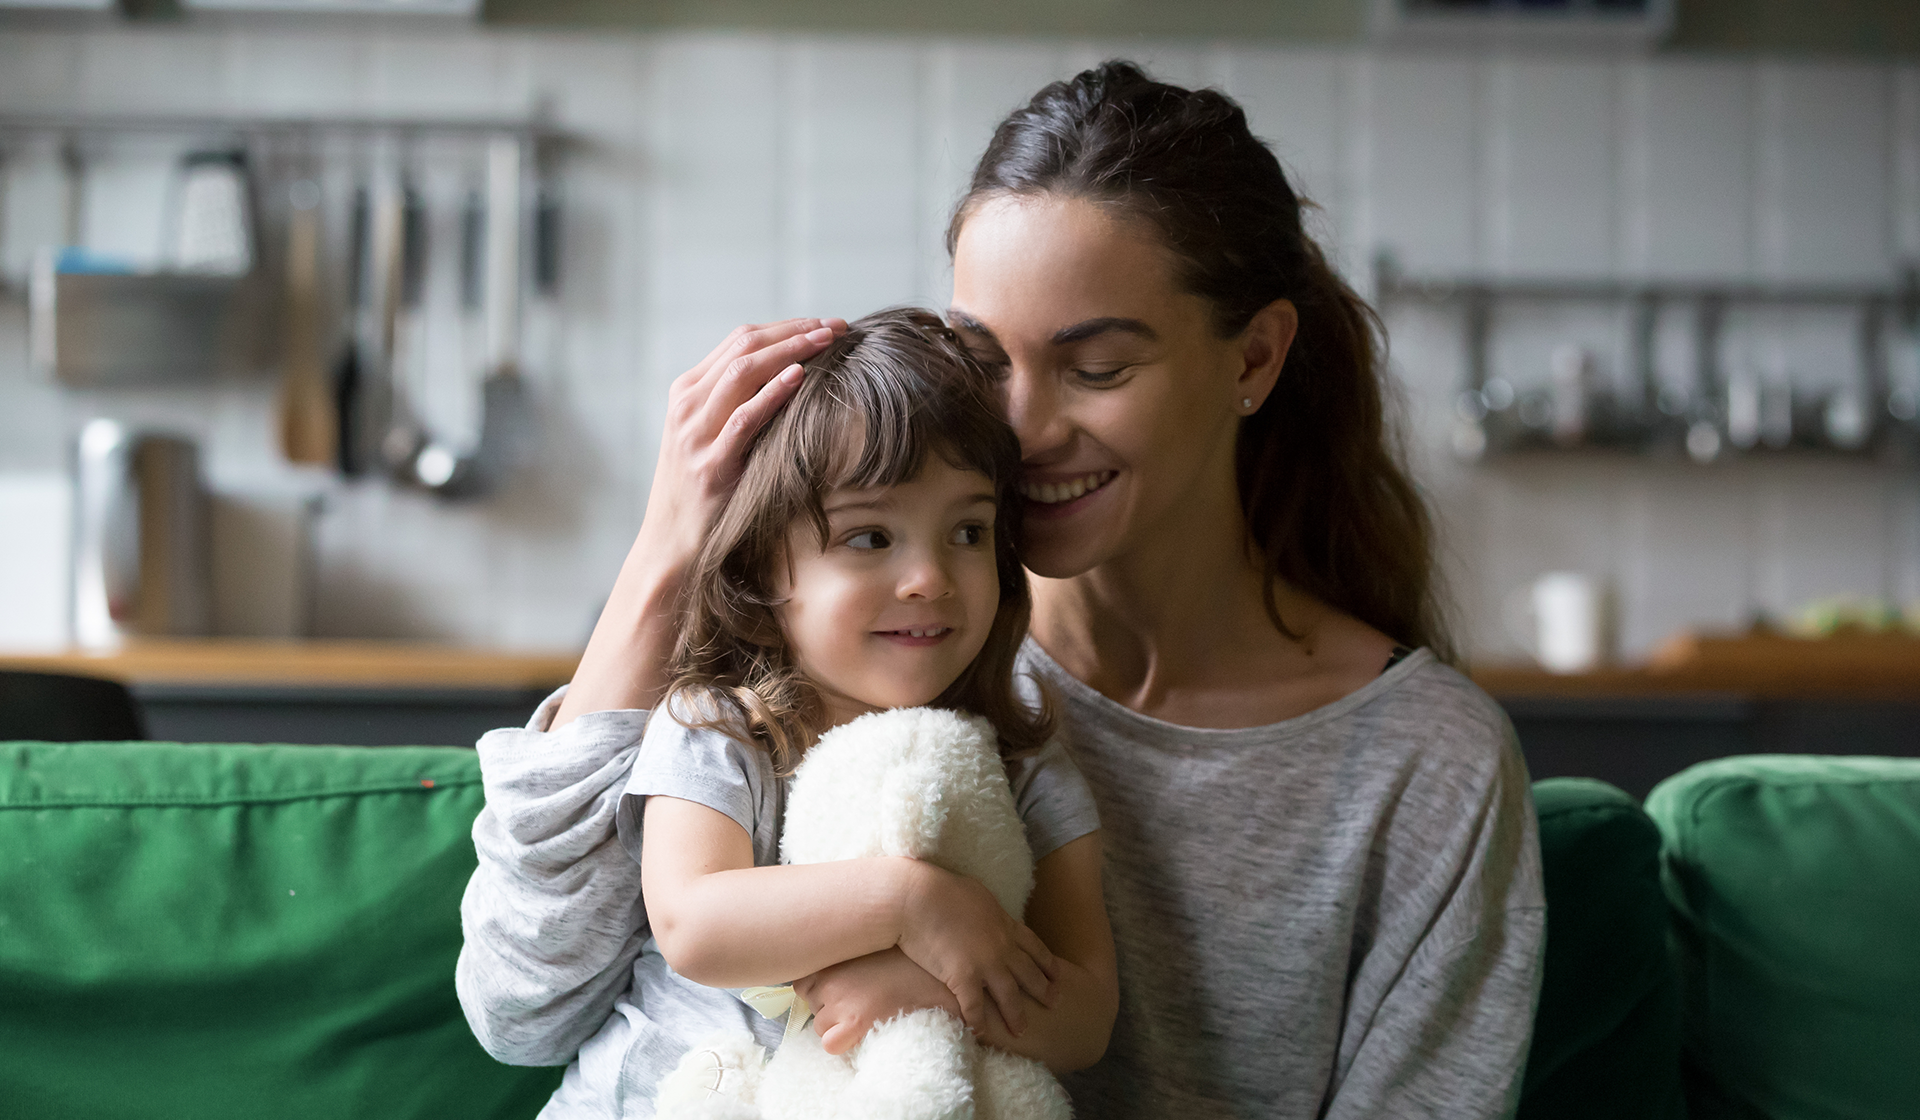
(1055, 492)
(929, 633)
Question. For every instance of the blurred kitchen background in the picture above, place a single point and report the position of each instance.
(1645, 268)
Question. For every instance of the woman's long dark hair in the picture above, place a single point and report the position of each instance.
(895, 389)
(1329, 507)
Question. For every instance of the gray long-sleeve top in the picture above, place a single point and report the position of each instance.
(1339, 915)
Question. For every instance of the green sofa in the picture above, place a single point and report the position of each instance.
(249, 931)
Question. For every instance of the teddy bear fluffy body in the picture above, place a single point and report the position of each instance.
(917, 782)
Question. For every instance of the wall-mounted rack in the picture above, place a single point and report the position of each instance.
(94, 320)
(1714, 414)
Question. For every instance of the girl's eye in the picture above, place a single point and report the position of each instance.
(869, 538)
(970, 535)
(1100, 377)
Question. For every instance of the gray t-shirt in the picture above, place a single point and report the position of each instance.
(558, 966)
(1339, 915)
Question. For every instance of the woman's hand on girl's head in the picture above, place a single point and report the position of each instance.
(713, 411)
(954, 928)
(848, 998)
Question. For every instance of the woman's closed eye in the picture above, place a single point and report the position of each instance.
(1101, 378)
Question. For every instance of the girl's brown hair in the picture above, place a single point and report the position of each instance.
(1328, 505)
(897, 387)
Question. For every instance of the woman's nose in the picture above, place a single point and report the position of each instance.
(1033, 411)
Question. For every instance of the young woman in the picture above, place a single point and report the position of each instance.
(864, 561)
(1321, 864)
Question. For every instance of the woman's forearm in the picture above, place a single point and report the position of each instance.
(625, 662)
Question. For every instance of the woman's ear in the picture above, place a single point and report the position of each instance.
(1263, 351)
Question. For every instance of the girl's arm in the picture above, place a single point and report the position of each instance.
(1068, 913)
(721, 921)
(713, 410)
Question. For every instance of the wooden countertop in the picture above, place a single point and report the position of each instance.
(1760, 666)
(306, 664)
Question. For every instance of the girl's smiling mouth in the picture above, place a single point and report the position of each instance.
(917, 635)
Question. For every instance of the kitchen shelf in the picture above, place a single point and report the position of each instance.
(1871, 417)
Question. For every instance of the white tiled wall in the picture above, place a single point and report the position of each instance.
(739, 177)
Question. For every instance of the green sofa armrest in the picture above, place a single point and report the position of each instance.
(240, 931)
(1795, 887)
(1606, 1041)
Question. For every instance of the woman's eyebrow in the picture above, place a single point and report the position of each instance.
(963, 321)
(1088, 328)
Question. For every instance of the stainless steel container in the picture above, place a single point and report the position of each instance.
(142, 556)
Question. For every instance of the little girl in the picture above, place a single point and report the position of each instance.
(629, 872)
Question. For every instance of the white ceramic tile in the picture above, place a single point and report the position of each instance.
(1689, 552)
(413, 73)
(315, 72)
(1905, 142)
(152, 71)
(1293, 100)
(1551, 183)
(1824, 209)
(39, 71)
(1688, 138)
(968, 88)
(1422, 169)
(850, 244)
(594, 84)
(1822, 530)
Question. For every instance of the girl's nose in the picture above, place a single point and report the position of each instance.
(924, 577)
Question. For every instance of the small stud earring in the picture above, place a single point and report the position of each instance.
(1246, 402)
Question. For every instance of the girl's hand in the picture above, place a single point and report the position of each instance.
(955, 929)
(848, 998)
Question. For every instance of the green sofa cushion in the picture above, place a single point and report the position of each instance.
(1795, 885)
(240, 931)
(1606, 1039)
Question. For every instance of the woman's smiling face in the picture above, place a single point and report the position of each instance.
(1125, 398)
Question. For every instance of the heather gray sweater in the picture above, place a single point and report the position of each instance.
(1339, 915)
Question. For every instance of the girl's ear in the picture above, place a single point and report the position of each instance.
(1263, 352)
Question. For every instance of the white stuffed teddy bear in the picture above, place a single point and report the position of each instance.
(918, 782)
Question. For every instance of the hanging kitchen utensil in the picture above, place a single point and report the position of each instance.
(383, 280)
(505, 416)
(213, 215)
(347, 373)
(404, 436)
(308, 426)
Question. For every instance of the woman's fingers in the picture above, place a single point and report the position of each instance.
(975, 1006)
(730, 445)
(1007, 999)
(1029, 977)
(743, 376)
(735, 370)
